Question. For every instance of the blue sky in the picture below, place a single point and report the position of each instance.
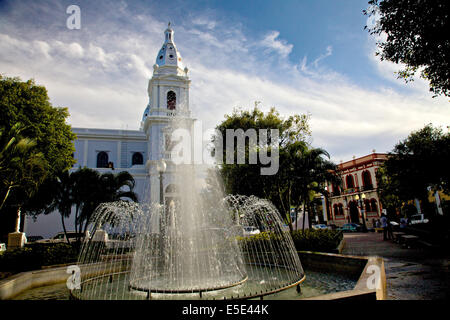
(299, 56)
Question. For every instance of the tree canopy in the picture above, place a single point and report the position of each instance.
(416, 165)
(21, 165)
(302, 171)
(415, 36)
(35, 139)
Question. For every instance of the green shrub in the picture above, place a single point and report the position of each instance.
(34, 256)
(317, 240)
(307, 240)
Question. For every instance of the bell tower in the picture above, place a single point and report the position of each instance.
(168, 92)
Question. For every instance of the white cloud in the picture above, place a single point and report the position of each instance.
(71, 50)
(328, 53)
(102, 78)
(203, 21)
(281, 46)
(42, 47)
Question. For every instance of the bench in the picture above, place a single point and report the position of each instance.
(397, 236)
(378, 230)
(408, 240)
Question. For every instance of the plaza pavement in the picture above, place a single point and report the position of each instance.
(411, 274)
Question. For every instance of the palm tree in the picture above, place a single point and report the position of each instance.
(312, 172)
(85, 192)
(22, 168)
(54, 194)
(92, 189)
(287, 179)
(63, 198)
(118, 186)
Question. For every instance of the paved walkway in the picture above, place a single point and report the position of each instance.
(411, 274)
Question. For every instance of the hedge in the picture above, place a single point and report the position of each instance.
(304, 240)
(317, 240)
(36, 255)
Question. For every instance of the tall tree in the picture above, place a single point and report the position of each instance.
(302, 171)
(55, 194)
(416, 164)
(413, 33)
(312, 172)
(21, 165)
(81, 191)
(246, 179)
(92, 188)
(52, 138)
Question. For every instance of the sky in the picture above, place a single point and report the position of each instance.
(297, 56)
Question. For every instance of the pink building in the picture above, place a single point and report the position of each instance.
(357, 196)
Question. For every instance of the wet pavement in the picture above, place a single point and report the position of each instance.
(411, 274)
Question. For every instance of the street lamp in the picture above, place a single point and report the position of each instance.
(347, 208)
(361, 203)
(161, 168)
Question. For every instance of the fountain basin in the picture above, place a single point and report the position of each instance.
(331, 270)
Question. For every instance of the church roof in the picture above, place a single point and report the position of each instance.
(146, 112)
(168, 55)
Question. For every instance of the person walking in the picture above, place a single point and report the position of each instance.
(403, 222)
(390, 236)
(384, 225)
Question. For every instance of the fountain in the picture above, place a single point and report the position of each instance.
(192, 244)
(193, 247)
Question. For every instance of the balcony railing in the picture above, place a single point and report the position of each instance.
(352, 190)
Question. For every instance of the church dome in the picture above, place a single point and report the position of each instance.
(146, 112)
(169, 55)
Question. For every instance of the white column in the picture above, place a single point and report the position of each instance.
(324, 209)
(85, 155)
(119, 153)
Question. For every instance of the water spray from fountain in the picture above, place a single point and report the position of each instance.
(192, 244)
(191, 247)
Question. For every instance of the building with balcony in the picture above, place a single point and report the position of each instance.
(357, 197)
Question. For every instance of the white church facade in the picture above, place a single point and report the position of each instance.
(138, 152)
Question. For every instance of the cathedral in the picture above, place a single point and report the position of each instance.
(144, 153)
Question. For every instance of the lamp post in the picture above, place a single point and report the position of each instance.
(161, 168)
(360, 199)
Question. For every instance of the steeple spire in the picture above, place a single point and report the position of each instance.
(169, 55)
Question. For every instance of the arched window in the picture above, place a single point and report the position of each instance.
(341, 209)
(349, 181)
(171, 100)
(335, 210)
(102, 160)
(335, 189)
(367, 205)
(367, 180)
(373, 205)
(137, 158)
